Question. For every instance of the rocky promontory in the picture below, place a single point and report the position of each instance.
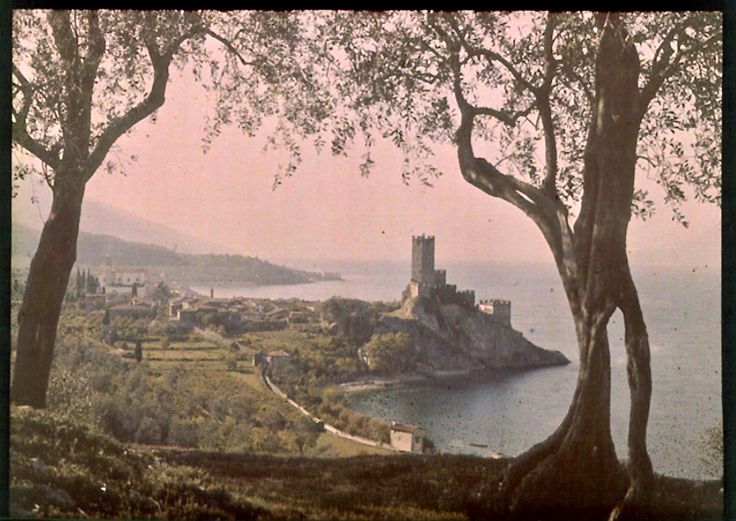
(447, 337)
(455, 337)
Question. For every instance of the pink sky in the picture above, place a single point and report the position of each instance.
(327, 211)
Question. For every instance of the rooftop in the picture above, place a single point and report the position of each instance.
(405, 427)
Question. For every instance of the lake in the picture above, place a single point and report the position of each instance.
(510, 411)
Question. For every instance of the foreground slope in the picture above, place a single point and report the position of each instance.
(60, 468)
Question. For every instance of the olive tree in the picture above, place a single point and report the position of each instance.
(83, 79)
(556, 114)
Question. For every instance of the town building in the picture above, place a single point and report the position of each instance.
(187, 316)
(130, 282)
(407, 438)
(277, 358)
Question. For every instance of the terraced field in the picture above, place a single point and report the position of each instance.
(207, 355)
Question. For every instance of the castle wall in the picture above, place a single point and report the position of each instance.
(499, 309)
(440, 278)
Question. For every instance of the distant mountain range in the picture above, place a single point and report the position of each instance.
(102, 219)
(94, 250)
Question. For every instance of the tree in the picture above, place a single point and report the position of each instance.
(567, 109)
(390, 352)
(138, 351)
(83, 79)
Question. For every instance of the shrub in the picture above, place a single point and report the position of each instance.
(390, 353)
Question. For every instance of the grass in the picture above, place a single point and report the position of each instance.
(63, 469)
(60, 468)
(329, 445)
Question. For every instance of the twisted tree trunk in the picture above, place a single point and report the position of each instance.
(576, 469)
(582, 472)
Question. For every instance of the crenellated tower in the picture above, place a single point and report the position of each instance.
(422, 259)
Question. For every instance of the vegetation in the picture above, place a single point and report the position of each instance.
(390, 353)
(61, 468)
(317, 362)
(351, 319)
(167, 399)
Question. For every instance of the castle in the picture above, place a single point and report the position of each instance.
(426, 281)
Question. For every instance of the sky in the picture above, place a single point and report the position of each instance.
(327, 210)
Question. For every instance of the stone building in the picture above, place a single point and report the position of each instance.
(499, 309)
(407, 438)
(129, 282)
(277, 358)
(426, 281)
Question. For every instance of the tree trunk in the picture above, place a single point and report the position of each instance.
(576, 469)
(47, 281)
(635, 505)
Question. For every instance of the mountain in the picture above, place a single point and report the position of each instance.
(102, 219)
(94, 250)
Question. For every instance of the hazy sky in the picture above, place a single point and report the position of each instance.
(328, 211)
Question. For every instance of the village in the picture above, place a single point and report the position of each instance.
(144, 319)
(288, 347)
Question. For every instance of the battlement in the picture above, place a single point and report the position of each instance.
(427, 281)
(449, 294)
(496, 301)
(499, 309)
(440, 278)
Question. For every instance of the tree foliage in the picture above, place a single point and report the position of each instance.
(114, 66)
(394, 76)
(390, 352)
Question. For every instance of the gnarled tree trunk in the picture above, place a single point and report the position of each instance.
(49, 273)
(576, 469)
(582, 473)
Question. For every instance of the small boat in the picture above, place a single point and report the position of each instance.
(479, 445)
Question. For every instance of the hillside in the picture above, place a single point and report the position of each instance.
(93, 250)
(61, 468)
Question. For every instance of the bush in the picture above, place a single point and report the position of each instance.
(185, 433)
(390, 353)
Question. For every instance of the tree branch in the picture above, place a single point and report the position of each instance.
(664, 64)
(26, 89)
(545, 111)
(153, 101)
(95, 52)
(546, 212)
(228, 45)
(23, 139)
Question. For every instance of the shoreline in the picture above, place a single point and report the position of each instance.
(377, 383)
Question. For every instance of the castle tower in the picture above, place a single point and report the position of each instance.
(422, 259)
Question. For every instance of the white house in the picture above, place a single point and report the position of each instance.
(125, 281)
(407, 438)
